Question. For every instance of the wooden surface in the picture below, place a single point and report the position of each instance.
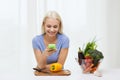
(48, 73)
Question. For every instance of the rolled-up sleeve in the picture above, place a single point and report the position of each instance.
(65, 42)
(35, 43)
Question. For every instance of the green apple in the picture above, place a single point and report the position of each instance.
(52, 46)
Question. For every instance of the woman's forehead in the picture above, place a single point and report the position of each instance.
(52, 20)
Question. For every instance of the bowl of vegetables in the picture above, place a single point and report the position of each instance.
(90, 58)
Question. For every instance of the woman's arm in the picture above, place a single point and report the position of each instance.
(63, 55)
(41, 58)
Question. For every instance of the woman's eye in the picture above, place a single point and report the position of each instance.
(55, 26)
(48, 26)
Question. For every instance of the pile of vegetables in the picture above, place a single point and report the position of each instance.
(91, 57)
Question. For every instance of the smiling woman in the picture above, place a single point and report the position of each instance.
(51, 34)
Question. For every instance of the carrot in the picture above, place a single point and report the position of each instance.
(95, 68)
(88, 69)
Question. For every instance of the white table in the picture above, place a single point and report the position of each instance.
(113, 74)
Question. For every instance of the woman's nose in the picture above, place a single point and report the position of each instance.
(51, 29)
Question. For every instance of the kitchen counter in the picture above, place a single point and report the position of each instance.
(107, 74)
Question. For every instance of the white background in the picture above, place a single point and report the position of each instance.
(20, 21)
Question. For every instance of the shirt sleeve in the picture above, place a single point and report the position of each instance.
(35, 43)
(65, 42)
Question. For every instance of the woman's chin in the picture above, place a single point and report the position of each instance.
(51, 35)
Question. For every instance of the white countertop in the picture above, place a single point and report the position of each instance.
(76, 74)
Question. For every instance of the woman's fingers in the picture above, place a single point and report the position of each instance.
(50, 51)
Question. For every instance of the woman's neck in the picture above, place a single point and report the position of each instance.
(50, 39)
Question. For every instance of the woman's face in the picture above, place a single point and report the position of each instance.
(51, 27)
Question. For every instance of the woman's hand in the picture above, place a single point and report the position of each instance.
(48, 51)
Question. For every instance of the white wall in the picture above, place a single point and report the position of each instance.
(85, 19)
(9, 34)
(113, 31)
(20, 20)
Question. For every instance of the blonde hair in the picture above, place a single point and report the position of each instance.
(55, 15)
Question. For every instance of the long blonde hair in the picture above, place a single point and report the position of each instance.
(55, 15)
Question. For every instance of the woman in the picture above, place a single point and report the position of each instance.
(51, 34)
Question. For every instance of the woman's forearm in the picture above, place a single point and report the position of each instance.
(41, 59)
